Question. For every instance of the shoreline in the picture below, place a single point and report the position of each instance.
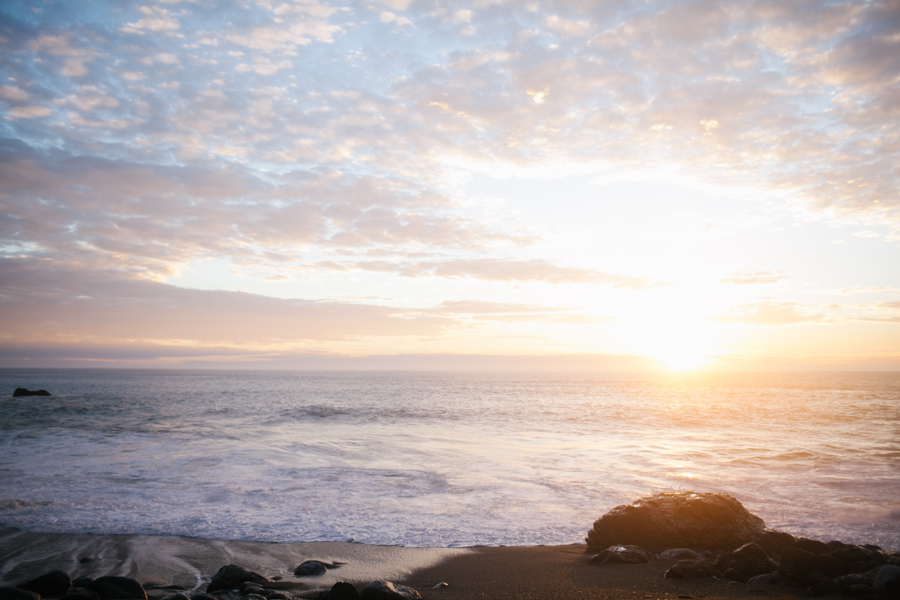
(496, 572)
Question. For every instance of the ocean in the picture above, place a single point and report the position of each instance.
(440, 459)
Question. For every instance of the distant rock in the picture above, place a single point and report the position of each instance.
(386, 590)
(684, 520)
(20, 392)
(117, 588)
(231, 577)
(622, 554)
(54, 583)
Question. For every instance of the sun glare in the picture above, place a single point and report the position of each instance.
(682, 361)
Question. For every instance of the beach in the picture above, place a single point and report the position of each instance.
(510, 572)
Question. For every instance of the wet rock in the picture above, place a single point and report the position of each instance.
(249, 587)
(386, 590)
(692, 569)
(254, 597)
(277, 596)
(80, 593)
(622, 554)
(81, 582)
(822, 588)
(676, 520)
(766, 579)
(22, 392)
(230, 577)
(54, 583)
(340, 591)
(12, 593)
(847, 581)
(310, 568)
(117, 588)
(813, 546)
(178, 596)
(747, 561)
(203, 597)
(858, 590)
(887, 575)
(679, 554)
(798, 563)
(852, 555)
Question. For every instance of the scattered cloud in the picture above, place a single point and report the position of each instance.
(771, 313)
(754, 277)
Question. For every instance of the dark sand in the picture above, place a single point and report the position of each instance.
(563, 572)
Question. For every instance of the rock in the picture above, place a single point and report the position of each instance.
(340, 591)
(22, 392)
(621, 554)
(887, 575)
(386, 590)
(692, 569)
(277, 596)
(852, 555)
(747, 561)
(254, 597)
(54, 583)
(689, 520)
(813, 546)
(310, 568)
(116, 588)
(81, 582)
(679, 554)
(858, 589)
(766, 579)
(230, 577)
(178, 596)
(11, 593)
(798, 563)
(440, 585)
(822, 588)
(203, 597)
(846, 581)
(80, 593)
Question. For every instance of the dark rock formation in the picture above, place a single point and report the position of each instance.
(81, 582)
(386, 590)
(11, 593)
(679, 554)
(622, 554)
(690, 520)
(231, 577)
(692, 569)
(887, 576)
(798, 563)
(22, 392)
(340, 591)
(54, 583)
(117, 588)
(747, 561)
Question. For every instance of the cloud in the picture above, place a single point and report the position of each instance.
(754, 277)
(156, 19)
(771, 313)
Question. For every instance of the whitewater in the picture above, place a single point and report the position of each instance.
(440, 459)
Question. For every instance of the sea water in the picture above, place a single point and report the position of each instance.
(441, 459)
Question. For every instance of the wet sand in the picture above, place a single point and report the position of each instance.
(514, 573)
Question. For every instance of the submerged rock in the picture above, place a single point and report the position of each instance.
(691, 520)
(54, 583)
(386, 590)
(22, 392)
(622, 554)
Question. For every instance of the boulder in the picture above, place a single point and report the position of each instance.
(622, 554)
(310, 568)
(231, 577)
(54, 583)
(798, 563)
(21, 392)
(887, 576)
(765, 579)
(814, 546)
(679, 554)
(340, 591)
(386, 590)
(686, 519)
(747, 561)
(692, 569)
(117, 588)
(80, 593)
(81, 582)
(12, 593)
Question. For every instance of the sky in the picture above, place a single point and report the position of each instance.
(505, 184)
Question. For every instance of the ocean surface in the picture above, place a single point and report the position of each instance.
(441, 459)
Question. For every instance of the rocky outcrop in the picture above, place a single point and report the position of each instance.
(684, 520)
(22, 392)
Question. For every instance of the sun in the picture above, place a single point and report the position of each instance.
(683, 360)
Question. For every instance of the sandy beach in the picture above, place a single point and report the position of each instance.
(521, 573)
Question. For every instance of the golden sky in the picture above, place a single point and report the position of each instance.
(417, 184)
